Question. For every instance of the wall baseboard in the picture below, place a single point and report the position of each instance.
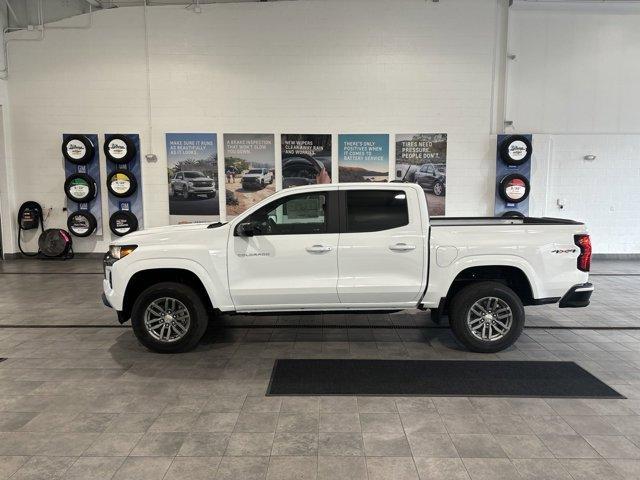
(616, 256)
(77, 255)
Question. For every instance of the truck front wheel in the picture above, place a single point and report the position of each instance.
(486, 317)
(169, 317)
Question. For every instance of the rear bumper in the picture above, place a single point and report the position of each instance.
(577, 296)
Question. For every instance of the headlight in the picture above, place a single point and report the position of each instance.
(120, 251)
(190, 184)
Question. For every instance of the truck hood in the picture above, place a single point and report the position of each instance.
(252, 175)
(167, 234)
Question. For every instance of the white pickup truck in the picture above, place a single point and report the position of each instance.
(347, 247)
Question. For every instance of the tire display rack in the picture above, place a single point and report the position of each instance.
(513, 174)
(76, 164)
(125, 159)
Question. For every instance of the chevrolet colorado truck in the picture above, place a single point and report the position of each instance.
(257, 179)
(347, 247)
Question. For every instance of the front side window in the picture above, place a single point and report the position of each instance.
(376, 210)
(293, 215)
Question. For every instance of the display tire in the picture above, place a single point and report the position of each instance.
(513, 214)
(123, 143)
(82, 223)
(81, 179)
(506, 182)
(508, 150)
(133, 183)
(465, 299)
(121, 217)
(82, 143)
(189, 297)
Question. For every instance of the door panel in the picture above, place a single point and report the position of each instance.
(377, 265)
(291, 261)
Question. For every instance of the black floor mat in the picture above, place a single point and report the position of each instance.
(436, 378)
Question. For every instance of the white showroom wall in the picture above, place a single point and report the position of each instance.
(283, 67)
(574, 84)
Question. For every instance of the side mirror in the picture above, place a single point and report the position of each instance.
(246, 229)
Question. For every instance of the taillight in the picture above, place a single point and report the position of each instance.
(584, 259)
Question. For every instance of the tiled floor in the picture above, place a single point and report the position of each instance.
(90, 403)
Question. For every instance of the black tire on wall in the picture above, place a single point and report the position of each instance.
(123, 222)
(514, 188)
(121, 183)
(515, 150)
(119, 148)
(512, 214)
(80, 188)
(82, 223)
(78, 149)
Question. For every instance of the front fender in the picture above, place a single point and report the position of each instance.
(214, 284)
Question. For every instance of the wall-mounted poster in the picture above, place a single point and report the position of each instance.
(363, 157)
(249, 167)
(422, 158)
(306, 159)
(192, 173)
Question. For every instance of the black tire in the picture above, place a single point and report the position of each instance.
(80, 188)
(123, 222)
(119, 148)
(514, 181)
(189, 298)
(78, 149)
(122, 183)
(515, 150)
(464, 300)
(441, 190)
(82, 223)
(512, 214)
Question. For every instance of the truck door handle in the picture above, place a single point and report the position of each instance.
(401, 247)
(318, 249)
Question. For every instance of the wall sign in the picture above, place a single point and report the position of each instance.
(306, 159)
(363, 157)
(82, 184)
(249, 166)
(422, 158)
(513, 172)
(192, 176)
(124, 183)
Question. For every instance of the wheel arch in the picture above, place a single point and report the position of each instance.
(511, 276)
(143, 279)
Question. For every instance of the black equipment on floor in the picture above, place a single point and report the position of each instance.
(56, 243)
(29, 217)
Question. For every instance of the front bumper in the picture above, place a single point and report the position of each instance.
(202, 190)
(577, 296)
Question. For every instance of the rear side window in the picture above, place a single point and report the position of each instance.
(375, 210)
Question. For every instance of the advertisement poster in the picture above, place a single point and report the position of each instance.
(363, 158)
(249, 168)
(306, 159)
(192, 172)
(422, 158)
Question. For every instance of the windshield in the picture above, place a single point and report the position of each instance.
(193, 175)
(255, 170)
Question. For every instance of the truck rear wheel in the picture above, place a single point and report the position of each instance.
(169, 317)
(486, 317)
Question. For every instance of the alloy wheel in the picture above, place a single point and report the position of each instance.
(167, 319)
(489, 319)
